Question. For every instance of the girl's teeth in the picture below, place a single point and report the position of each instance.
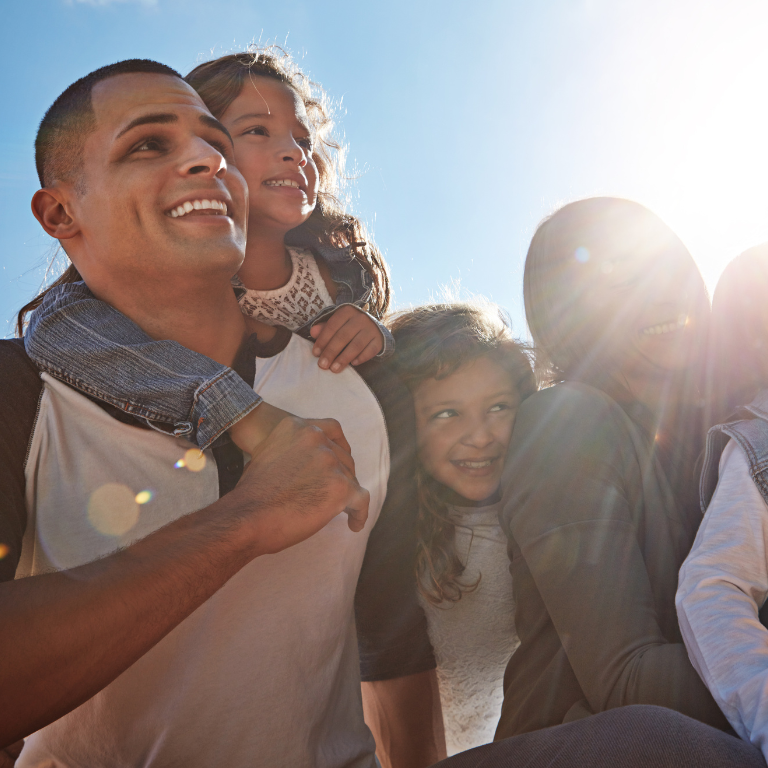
(282, 183)
(475, 464)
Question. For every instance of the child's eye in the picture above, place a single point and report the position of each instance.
(499, 407)
(306, 143)
(256, 130)
(446, 414)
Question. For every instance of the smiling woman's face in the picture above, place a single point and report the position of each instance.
(273, 150)
(645, 299)
(464, 425)
(626, 297)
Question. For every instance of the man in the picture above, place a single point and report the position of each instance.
(188, 645)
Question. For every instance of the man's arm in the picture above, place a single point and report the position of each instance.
(66, 635)
(406, 719)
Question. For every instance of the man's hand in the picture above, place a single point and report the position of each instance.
(258, 425)
(349, 336)
(299, 479)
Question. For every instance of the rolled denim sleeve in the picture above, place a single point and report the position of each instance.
(96, 349)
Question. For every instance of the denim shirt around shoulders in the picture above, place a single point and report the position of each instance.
(749, 428)
(94, 348)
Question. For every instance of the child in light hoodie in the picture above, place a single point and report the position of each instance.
(724, 581)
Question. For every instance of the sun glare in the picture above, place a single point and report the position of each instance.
(706, 162)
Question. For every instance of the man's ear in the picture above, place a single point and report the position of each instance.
(52, 208)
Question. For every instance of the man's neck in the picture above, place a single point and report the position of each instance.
(204, 318)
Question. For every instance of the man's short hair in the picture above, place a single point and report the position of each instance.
(60, 139)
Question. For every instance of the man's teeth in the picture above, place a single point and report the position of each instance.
(654, 330)
(475, 464)
(282, 183)
(199, 205)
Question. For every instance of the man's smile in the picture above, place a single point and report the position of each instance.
(202, 206)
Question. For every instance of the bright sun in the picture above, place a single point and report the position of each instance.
(705, 165)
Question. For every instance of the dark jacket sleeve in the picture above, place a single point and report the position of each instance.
(573, 505)
(20, 386)
(391, 625)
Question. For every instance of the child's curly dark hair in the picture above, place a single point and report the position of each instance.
(432, 342)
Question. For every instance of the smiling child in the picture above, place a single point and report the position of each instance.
(468, 377)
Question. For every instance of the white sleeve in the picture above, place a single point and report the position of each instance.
(723, 584)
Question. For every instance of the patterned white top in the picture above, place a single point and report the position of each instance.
(297, 302)
(474, 638)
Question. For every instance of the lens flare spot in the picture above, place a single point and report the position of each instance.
(4, 550)
(180, 464)
(113, 510)
(194, 460)
(142, 497)
(582, 255)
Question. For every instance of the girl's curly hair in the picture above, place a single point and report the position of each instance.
(433, 342)
(219, 82)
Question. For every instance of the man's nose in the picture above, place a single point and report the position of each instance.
(203, 159)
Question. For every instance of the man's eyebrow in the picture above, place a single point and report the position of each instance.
(158, 118)
(163, 118)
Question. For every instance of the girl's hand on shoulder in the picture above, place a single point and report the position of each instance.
(348, 336)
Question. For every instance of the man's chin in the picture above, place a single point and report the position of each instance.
(208, 255)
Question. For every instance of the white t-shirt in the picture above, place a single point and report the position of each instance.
(723, 584)
(474, 638)
(265, 672)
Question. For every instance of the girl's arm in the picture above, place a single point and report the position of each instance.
(346, 331)
(567, 505)
(96, 349)
(723, 584)
(349, 335)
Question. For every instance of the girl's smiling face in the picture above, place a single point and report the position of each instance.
(273, 151)
(464, 425)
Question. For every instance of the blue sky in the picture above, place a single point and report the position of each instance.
(467, 122)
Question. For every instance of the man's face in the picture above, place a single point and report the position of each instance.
(156, 151)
